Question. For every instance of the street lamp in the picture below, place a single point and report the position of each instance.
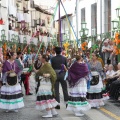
(115, 23)
(118, 12)
(84, 31)
(83, 25)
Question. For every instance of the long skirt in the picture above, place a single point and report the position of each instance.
(11, 97)
(94, 94)
(77, 97)
(45, 98)
(115, 89)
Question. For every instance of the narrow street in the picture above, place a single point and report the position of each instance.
(111, 111)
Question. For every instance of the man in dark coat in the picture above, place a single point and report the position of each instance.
(59, 62)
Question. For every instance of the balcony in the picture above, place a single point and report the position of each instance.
(38, 8)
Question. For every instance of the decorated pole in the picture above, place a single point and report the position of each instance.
(59, 43)
(69, 21)
(77, 9)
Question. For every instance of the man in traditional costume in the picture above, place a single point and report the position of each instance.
(59, 62)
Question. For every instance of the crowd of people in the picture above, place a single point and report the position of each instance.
(86, 82)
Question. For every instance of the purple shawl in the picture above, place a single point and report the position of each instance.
(76, 72)
(7, 67)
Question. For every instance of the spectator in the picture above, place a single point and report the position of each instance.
(106, 52)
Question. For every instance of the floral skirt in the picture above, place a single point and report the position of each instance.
(11, 97)
(45, 97)
(77, 97)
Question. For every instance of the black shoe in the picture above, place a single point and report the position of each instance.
(29, 94)
(57, 107)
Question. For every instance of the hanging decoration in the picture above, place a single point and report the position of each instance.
(66, 45)
(4, 50)
(117, 38)
(117, 42)
(116, 50)
(84, 46)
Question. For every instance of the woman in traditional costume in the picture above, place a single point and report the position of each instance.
(94, 94)
(11, 94)
(45, 94)
(77, 80)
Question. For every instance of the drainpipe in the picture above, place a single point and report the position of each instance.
(77, 9)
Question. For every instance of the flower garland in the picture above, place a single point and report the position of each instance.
(66, 45)
(117, 39)
(84, 46)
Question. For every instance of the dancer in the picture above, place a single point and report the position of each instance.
(58, 63)
(77, 77)
(11, 94)
(45, 94)
(94, 94)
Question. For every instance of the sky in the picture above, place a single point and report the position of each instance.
(68, 4)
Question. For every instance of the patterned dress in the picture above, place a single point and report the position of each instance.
(11, 96)
(94, 94)
(45, 94)
(77, 94)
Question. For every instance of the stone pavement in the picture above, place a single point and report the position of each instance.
(30, 113)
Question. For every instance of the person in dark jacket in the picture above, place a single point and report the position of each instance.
(59, 63)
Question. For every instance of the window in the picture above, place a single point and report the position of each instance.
(83, 15)
(32, 4)
(94, 19)
(107, 15)
(43, 23)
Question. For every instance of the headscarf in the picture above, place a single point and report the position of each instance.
(76, 72)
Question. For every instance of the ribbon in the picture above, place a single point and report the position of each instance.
(69, 21)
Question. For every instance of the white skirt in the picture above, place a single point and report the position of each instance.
(45, 98)
(11, 97)
(77, 97)
(79, 90)
(94, 94)
(96, 88)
